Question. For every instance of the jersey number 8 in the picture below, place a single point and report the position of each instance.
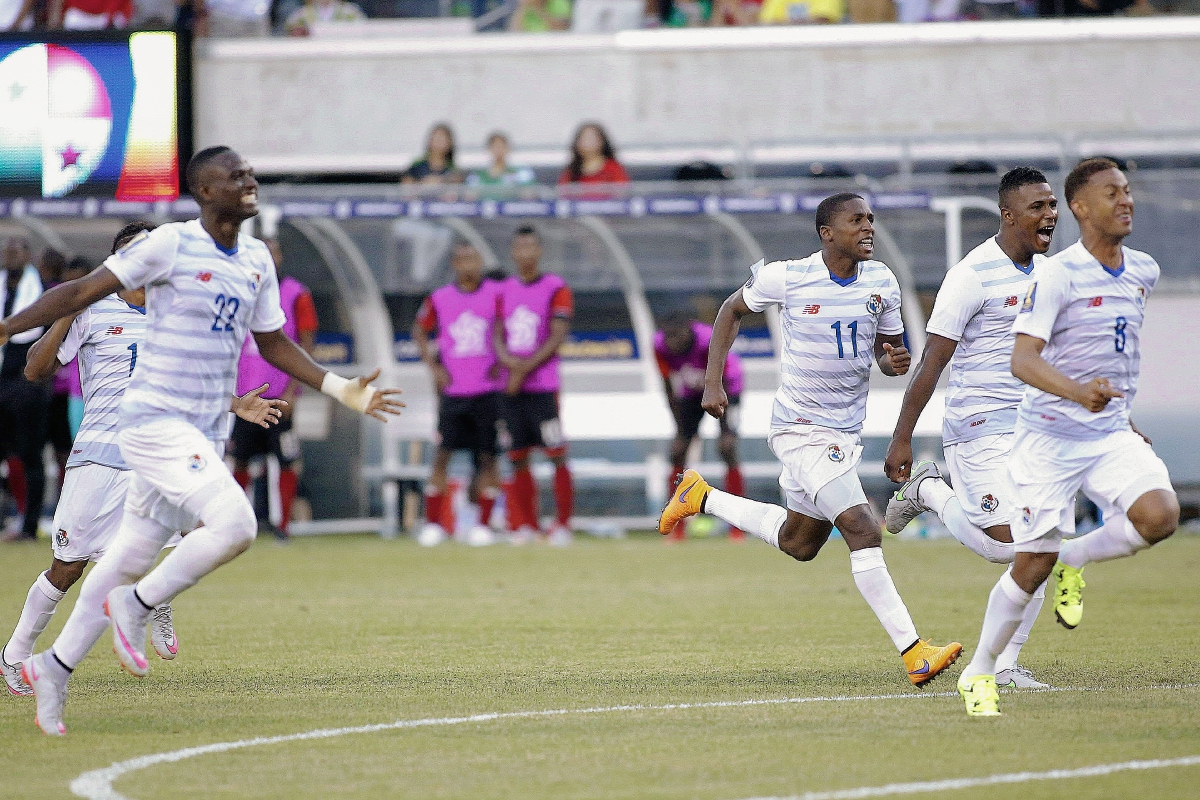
(1119, 334)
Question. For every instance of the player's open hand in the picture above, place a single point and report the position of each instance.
(383, 401)
(259, 410)
(715, 401)
(897, 465)
(898, 358)
(1096, 393)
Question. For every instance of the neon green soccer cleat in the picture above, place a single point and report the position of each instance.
(1068, 595)
(981, 695)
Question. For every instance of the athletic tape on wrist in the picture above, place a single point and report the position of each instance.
(347, 392)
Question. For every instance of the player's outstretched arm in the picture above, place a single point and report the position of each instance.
(66, 298)
(441, 376)
(938, 352)
(725, 331)
(42, 360)
(282, 353)
(1029, 366)
(258, 410)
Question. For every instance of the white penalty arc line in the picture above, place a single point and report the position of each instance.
(97, 784)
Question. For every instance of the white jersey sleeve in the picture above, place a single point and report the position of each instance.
(959, 299)
(767, 286)
(268, 313)
(891, 321)
(1044, 299)
(147, 259)
(77, 334)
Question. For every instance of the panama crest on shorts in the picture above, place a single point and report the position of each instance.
(989, 503)
(1026, 515)
(875, 304)
(196, 462)
(61, 539)
(836, 454)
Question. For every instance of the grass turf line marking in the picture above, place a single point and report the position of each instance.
(921, 787)
(97, 784)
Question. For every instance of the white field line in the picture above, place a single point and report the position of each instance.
(97, 784)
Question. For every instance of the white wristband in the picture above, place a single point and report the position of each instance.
(347, 392)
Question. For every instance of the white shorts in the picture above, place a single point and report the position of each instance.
(812, 457)
(979, 472)
(176, 470)
(1047, 471)
(89, 512)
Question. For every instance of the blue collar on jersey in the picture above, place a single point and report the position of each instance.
(1026, 270)
(842, 281)
(140, 309)
(223, 250)
(1116, 273)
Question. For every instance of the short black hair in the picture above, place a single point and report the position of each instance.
(198, 162)
(1016, 178)
(831, 205)
(1083, 173)
(527, 230)
(676, 318)
(126, 234)
(81, 263)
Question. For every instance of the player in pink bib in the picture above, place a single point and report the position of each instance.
(467, 377)
(681, 348)
(535, 316)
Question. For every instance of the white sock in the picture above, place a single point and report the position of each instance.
(1008, 659)
(1005, 610)
(229, 529)
(971, 535)
(934, 493)
(1116, 538)
(762, 519)
(40, 603)
(132, 553)
(875, 583)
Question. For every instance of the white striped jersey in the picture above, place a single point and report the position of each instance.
(1090, 318)
(106, 336)
(201, 302)
(829, 328)
(976, 306)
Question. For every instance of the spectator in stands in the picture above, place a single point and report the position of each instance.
(250, 441)
(499, 172)
(593, 159)
(231, 19)
(301, 21)
(437, 166)
(90, 15)
(16, 15)
(537, 16)
(22, 403)
(801, 12)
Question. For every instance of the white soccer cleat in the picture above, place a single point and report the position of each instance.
(162, 633)
(129, 620)
(560, 536)
(480, 536)
(1018, 677)
(431, 535)
(17, 686)
(49, 686)
(906, 505)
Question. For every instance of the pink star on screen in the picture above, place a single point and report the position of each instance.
(70, 156)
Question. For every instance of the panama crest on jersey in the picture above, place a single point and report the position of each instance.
(196, 462)
(61, 539)
(835, 454)
(1141, 296)
(989, 503)
(255, 280)
(1026, 515)
(875, 304)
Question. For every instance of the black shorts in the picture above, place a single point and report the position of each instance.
(250, 441)
(530, 419)
(58, 423)
(468, 423)
(691, 413)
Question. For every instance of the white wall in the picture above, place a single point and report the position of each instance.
(338, 104)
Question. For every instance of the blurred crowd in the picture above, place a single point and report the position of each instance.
(235, 18)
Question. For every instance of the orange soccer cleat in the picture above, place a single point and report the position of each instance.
(924, 661)
(687, 500)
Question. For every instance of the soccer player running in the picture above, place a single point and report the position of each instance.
(206, 288)
(840, 309)
(251, 441)
(106, 337)
(535, 316)
(1077, 347)
(681, 347)
(466, 374)
(971, 330)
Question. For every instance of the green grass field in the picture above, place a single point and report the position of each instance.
(351, 631)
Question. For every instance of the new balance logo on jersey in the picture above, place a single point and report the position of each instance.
(1011, 301)
(875, 304)
(115, 330)
(989, 503)
(1095, 302)
(812, 308)
(204, 277)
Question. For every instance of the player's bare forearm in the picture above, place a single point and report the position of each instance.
(42, 360)
(1029, 367)
(66, 298)
(282, 353)
(559, 328)
(308, 341)
(725, 331)
(500, 345)
(891, 354)
(421, 339)
(938, 352)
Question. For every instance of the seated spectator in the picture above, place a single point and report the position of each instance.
(499, 173)
(90, 15)
(301, 21)
(537, 16)
(437, 167)
(801, 12)
(593, 159)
